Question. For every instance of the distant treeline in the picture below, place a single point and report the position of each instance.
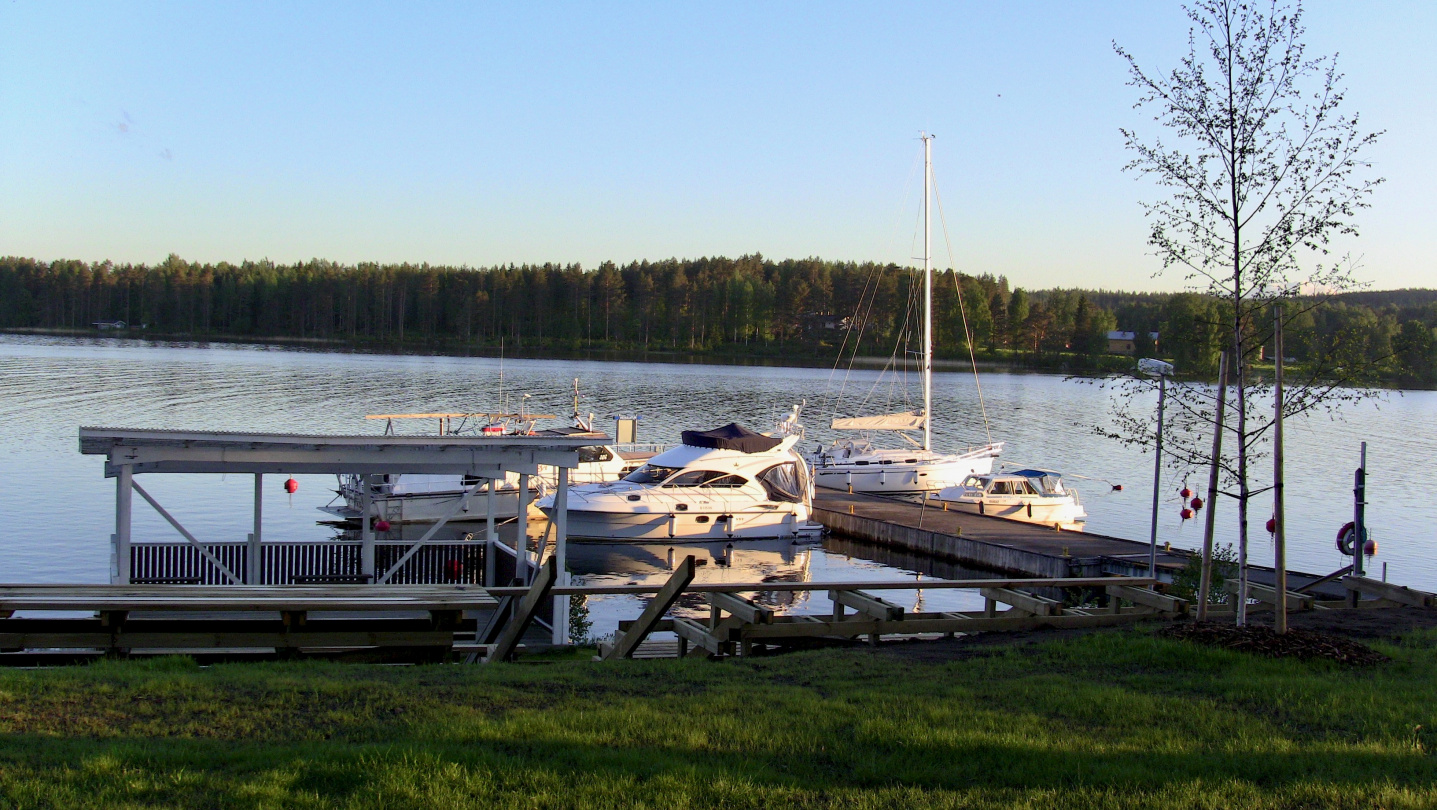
(744, 306)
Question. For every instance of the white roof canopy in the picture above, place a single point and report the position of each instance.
(191, 451)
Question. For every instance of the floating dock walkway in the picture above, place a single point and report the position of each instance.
(1012, 546)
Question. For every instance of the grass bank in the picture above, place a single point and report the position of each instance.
(1120, 719)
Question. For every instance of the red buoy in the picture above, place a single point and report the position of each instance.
(1187, 514)
(1370, 547)
(1117, 487)
(1197, 503)
(1186, 493)
(381, 526)
(291, 486)
(1272, 525)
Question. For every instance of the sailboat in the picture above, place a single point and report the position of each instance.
(857, 465)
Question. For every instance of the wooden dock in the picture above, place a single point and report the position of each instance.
(1010, 546)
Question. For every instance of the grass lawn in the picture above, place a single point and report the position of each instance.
(1115, 719)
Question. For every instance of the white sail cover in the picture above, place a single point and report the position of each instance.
(889, 421)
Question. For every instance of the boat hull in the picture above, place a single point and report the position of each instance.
(902, 476)
(1065, 515)
(696, 527)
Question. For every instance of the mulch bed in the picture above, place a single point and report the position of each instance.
(1262, 641)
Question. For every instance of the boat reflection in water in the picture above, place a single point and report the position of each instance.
(717, 562)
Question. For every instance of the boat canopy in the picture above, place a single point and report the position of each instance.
(907, 420)
(732, 436)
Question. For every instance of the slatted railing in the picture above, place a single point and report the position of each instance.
(282, 563)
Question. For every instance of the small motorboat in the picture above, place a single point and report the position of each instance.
(724, 484)
(1032, 496)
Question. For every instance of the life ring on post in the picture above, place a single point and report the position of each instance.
(1347, 535)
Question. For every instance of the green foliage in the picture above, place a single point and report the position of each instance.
(1224, 566)
(749, 305)
(579, 622)
(1109, 720)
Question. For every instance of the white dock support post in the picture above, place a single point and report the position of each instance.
(366, 529)
(123, 500)
(252, 570)
(561, 553)
(521, 532)
(491, 500)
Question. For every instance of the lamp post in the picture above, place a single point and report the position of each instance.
(1161, 370)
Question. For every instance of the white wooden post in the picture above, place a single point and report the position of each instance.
(521, 531)
(123, 499)
(252, 571)
(366, 530)
(491, 534)
(561, 553)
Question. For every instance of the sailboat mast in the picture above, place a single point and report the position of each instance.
(927, 295)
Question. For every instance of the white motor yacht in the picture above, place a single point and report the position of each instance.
(1032, 496)
(728, 483)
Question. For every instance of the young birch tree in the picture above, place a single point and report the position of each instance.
(1260, 171)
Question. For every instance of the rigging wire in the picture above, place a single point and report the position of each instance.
(869, 296)
(967, 333)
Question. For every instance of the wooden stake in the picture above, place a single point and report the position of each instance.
(1205, 581)
(1279, 544)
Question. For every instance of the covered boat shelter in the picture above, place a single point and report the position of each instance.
(482, 459)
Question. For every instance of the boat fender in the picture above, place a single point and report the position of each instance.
(982, 508)
(1030, 511)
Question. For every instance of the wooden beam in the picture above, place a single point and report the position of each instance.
(744, 609)
(1152, 599)
(626, 644)
(867, 604)
(1389, 591)
(1263, 593)
(696, 634)
(1032, 603)
(503, 649)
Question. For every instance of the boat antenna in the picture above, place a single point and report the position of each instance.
(962, 311)
(927, 294)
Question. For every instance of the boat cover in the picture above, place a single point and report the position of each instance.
(730, 437)
(890, 421)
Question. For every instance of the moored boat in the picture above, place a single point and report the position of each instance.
(1032, 496)
(728, 483)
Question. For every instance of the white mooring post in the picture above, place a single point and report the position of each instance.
(521, 532)
(366, 530)
(561, 553)
(252, 570)
(123, 499)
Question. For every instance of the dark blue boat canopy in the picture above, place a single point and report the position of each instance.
(732, 436)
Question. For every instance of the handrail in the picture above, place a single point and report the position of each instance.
(885, 585)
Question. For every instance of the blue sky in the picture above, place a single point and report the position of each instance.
(475, 134)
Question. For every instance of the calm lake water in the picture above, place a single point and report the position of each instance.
(61, 506)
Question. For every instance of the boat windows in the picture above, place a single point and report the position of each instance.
(702, 478)
(782, 483)
(1001, 488)
(650, 474)
(589, 455)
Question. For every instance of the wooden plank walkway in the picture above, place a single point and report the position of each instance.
(1009, 546)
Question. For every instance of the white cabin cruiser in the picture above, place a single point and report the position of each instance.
(1032, 496)
(723, 484)
(409, 499)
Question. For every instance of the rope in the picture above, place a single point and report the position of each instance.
(967, 334)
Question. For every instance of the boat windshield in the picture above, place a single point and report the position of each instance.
(651, 474)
